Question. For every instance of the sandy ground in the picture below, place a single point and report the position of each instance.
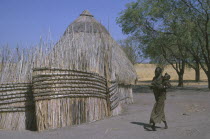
(187, 111)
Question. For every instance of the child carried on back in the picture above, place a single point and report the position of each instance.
(166, 81)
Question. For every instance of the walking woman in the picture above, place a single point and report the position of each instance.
(159, 89)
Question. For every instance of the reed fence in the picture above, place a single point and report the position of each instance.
(16, 106)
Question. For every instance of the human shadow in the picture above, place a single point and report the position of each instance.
(146, 126)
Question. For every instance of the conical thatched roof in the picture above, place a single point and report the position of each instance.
(86, 45)
(122, 66)
(86, 13)
(86, 23)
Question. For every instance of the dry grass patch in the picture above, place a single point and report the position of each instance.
(145, 72)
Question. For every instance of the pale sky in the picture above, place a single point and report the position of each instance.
(24, 21)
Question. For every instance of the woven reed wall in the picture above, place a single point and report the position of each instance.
(119, 94)
(125, 94)
(16, 107)
(114, 99)
(68, 97)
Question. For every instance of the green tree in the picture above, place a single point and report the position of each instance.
(175, 30)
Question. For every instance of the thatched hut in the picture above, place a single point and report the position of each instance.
(85, 77)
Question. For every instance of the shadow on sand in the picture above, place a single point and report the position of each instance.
(147, 127)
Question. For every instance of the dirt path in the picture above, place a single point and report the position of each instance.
(187, 112)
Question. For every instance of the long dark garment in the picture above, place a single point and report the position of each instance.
(158, 114)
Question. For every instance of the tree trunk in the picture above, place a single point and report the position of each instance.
(181, 74)
(208, 76)
(197, 75)
(197, 72)
(181, 82)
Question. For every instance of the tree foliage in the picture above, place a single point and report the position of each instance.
(176, 32)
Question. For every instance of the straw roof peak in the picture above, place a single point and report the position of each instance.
(86, 13)
(86, 23)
